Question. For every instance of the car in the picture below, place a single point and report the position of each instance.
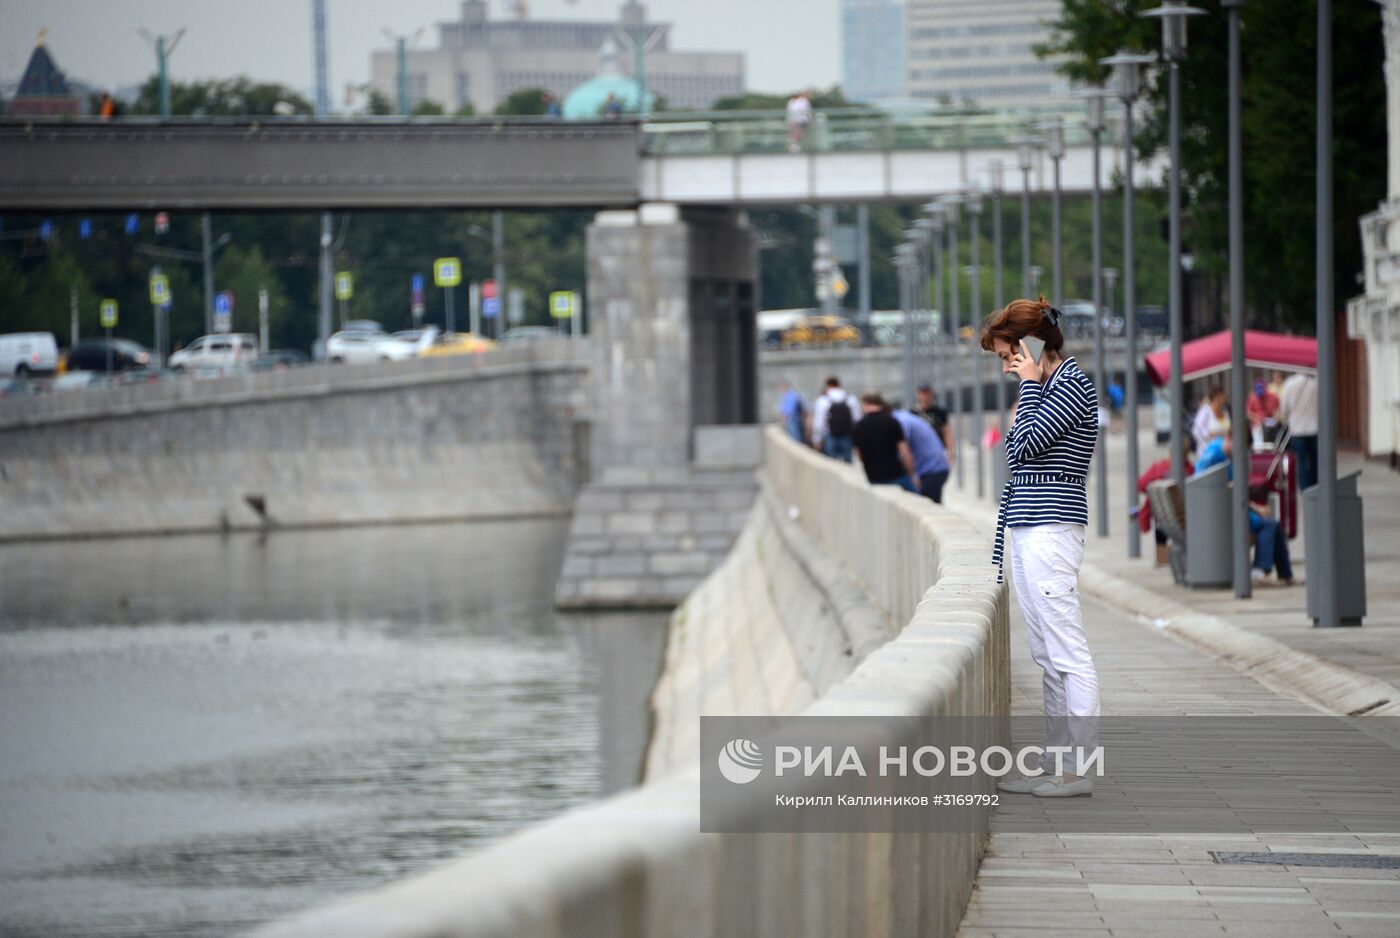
(28, 353)
(78, 381)
(280, 360)
(361, 325)
(821, 332)
(457, 343)
(1152, 322)
(92, 355)
(354, 346)
(227, 351)
(528, 334)
(408, 343)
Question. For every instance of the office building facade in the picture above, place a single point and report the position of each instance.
(872, 49)
(981, 52)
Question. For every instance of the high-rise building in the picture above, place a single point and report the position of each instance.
(980, 51)
(481, 61)
(872, 49)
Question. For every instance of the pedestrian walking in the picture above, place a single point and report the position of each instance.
(1297, 407)
(108, 108)
(930, 458)
(833, 420)
(793, 409)
(927, 407)
(799, 117)
(884, 449)
(1212, 420)
(1045, 504)
(612, 107)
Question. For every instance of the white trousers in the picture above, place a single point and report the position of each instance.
(1045, 572)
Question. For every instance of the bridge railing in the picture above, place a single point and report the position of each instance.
(845, 129)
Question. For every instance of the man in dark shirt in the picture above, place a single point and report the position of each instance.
(883, 447)
(927, 407)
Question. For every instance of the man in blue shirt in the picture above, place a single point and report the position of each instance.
(794, 409)
(1270, 542)
(930, 457)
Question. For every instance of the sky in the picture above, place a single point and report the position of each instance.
(789, 43)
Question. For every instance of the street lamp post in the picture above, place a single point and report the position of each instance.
(1025, 157)
(1055, 149)
(904, 263)
(958, 376)
(998, 296)
(1173, 14)
(931, 288)
(973, 200)
(1094, 99)
(1327, 606)
(1127, 79)
(1239, 429)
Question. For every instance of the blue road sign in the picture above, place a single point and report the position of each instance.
(46, 230)
(417, 283)
(491, 307)
(85, 228)
(222, 303)
(133, 223)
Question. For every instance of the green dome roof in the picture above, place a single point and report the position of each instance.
(587, 100)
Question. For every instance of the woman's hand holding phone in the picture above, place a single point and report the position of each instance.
(1024, 364)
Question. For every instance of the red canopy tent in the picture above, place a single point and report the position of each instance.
(1211, 354)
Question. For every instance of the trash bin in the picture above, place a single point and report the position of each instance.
(1208, 528)
(1351, 552)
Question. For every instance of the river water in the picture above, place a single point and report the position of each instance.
(201, 733)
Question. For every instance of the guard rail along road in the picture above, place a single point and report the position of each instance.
(637, 864)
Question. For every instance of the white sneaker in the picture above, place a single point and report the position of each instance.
(1022, 786)
(1059, 788)
(1256, 575)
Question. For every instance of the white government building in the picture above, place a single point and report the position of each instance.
(480, 61)
(1375, 315)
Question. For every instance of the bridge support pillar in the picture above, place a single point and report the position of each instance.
(673, 301)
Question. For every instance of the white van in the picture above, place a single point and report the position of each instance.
(28, 353)
(224, 351)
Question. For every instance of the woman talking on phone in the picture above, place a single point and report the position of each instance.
(1048, 449)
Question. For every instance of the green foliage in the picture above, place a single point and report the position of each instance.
(427, 108)
(524, 101)
(1278, 51)
(832, 97)
(232, 97)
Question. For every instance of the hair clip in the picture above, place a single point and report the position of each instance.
(1052, 314)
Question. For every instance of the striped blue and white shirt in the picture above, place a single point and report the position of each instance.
(1048, 450)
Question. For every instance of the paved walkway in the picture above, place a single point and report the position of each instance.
(1048, 885)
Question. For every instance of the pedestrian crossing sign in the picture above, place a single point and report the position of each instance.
(109, 313)
(447, 272)
(563, 304)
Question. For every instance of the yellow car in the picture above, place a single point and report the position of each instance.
(457, 343)
(819, 332)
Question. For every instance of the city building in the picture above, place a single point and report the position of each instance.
(480, 61)
(43, 90)
(872, 49)
(1374, 316)
(981, 51)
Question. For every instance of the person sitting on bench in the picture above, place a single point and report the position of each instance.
(1270, 541)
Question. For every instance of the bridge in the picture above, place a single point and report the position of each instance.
(730, 158)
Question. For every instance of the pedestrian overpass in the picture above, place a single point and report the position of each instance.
(714, 158)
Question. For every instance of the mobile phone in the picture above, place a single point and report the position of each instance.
(1036, 346)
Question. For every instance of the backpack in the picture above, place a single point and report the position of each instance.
(839, 420)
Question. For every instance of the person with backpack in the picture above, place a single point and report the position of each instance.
(833, 421)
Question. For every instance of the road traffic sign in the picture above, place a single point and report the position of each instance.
(108, 310)
(563, 304)
(447, 272)
(491, 306)
(160, 289)
(488, 289)
(344, 285)
(162, 222)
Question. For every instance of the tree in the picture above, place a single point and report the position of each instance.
(832, 97)
(524, 102)
(1279, 48)
(427, 108)
(233, 97)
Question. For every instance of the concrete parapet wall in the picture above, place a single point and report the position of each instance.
(460, 437)
(637, 863)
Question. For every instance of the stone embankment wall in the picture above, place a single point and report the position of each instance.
(637, 864)
(481, 436)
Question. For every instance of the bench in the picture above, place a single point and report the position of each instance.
(1169, 515)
